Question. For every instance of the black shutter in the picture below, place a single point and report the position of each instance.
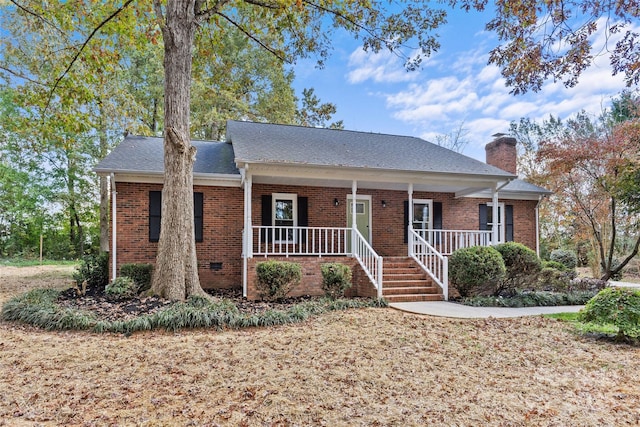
(437, 215)
(155, 210)
(406, 221)
(198, 217)
(437, 219)
(267, 219)
(483, 217)
(303, 216)
(508, 218)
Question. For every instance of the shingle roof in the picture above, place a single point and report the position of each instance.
(272, 143)
(520, 186)
(145, 154)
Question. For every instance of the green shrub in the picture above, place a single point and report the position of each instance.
(276, 278)
(565, 257)
(122, 287)
(140, 273)
(476, 270)
(336, 279)
(619, 307)
(522, 266)
(555, 264)
(556, 280)
(94, 269)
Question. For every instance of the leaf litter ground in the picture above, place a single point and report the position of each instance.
(357, 367)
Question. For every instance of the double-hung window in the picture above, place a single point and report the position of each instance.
(285, 214)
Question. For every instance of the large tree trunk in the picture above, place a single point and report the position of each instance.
(176, 273)
(104, 186)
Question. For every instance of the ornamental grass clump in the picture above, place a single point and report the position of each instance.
(275, 279)
(619, 307)
(336, 279)
(476, 270)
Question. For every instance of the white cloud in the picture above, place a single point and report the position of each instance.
(382, 67)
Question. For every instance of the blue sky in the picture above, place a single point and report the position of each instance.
(373, 93)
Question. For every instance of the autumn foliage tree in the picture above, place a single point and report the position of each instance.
(589, 165)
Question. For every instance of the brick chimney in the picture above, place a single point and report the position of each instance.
(502, 153)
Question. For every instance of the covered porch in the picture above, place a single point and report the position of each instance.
(389, 209)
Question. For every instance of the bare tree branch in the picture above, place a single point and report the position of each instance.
(38, 16)
(252, 37)
(206, 14)
(86, 42)
(22, 76)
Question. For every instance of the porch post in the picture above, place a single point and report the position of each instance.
(410, 225)
(354, 224)
(495, 230)
(248, 230)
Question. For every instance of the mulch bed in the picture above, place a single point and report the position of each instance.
(109, 308)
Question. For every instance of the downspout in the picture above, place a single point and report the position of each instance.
(538, 225)
(248, 231)
(114, 227)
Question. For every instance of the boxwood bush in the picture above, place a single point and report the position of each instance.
(140, 273)
(522, 267)
(336, 279)
(276, 278)
(565, 257)
(476, 270)
(619, 307)
(122, 287)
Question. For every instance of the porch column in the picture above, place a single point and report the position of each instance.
(495, 230)
(354, 224)
(248, 230)
(410, 215)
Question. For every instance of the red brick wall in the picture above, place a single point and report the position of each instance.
(311, 283)
(223, 224)
(222, 231)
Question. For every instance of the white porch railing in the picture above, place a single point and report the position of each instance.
(369, 260)
(431, 261)
(447, 241)
(319, 241)
(292, 241)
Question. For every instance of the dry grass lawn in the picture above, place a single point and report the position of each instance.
(360, 367)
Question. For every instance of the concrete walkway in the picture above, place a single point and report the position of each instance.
(451, 309)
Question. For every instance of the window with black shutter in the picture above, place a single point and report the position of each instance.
(155, 211)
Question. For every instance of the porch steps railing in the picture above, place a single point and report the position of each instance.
(369, 260)
(433, 262)
(405, 281)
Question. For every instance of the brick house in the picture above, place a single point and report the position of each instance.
(286, 192)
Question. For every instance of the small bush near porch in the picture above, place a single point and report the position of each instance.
(275, 279)
(336, 279)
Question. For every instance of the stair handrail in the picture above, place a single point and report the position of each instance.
(369, 260)
(434, 263)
